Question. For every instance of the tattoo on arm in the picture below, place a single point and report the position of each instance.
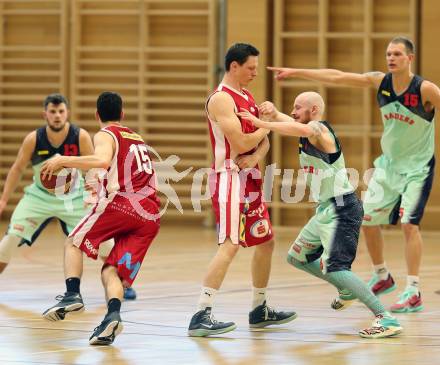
(375, 78)
(316, 128)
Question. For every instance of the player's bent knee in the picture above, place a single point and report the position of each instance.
(292, 260)
(69, 246)
(69, 242)
(229, 249)
(232, 250)
(410, 228)
(332, 271)
(7, 247)
(267, 247)
(107, 269)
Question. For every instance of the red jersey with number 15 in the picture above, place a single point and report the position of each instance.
(131, 169)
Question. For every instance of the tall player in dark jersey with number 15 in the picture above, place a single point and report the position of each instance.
(129, 212)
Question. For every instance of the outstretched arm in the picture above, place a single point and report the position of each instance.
(269, 112)
(287, 127)
(330, 76)
(318, 134)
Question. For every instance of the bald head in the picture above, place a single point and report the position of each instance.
(308, 106)
(312, 99)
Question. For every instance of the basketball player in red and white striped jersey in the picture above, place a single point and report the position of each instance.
(235, 184)
(129, 212)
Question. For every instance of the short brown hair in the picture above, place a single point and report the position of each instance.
(55, 99)
(408, 43)
(239, 52)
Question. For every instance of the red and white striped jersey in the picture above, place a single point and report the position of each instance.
(224, 155)
(131, 169)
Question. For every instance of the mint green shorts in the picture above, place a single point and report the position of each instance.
(37, 207)
(391, 195)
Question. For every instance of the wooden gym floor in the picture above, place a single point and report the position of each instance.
(168, 288)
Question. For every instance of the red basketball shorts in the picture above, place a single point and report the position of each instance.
(239, 211)
(131, 219)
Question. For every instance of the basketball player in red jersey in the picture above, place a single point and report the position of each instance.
(241, 216)
(129, 212)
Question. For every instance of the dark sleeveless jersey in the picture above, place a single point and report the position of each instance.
(408, 137)
(324, 173)
(45, 150)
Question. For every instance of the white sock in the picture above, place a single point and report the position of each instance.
(258, 297)
(206, 298)
(381, 271)
(412, 282)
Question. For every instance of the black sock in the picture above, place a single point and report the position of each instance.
(72, 285)
(114, 305)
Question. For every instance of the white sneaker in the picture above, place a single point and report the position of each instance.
(384, 325)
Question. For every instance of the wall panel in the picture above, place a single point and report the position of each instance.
(33, 46)
(160, 55)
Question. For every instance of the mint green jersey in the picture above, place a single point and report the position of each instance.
(325, 173)
(408, 137)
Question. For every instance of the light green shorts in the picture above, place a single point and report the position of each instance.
(38, 207)
(391, 195)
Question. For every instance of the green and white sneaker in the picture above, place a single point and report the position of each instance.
(344, 300)
(384, 325)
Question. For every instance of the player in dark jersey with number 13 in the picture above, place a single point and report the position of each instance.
(129, 212)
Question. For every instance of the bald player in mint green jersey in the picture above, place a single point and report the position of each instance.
(404, 173)
(326, 246)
